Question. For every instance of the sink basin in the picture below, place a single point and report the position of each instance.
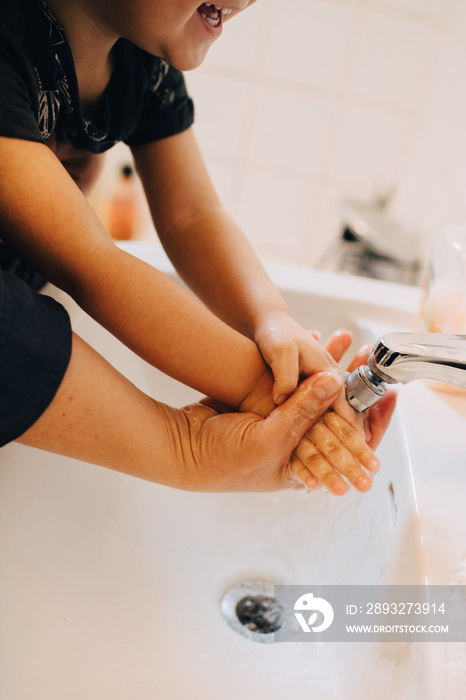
(110, 586)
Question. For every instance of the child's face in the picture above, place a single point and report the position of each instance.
(180, 30)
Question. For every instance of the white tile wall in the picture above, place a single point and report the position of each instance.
(428, 201)
(289, 130)
(368, 146)
(238, 48)
(456, 18)
(302, 103)
(432, 192)
(265, 209)
(446, 112)
(220, 106)
(308, 40)
(391, 60)
(434, 8)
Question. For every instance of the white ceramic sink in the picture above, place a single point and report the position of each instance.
(110, 586)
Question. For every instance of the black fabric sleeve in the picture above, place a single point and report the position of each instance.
(17, 117)
(167, 109)
(35, 349)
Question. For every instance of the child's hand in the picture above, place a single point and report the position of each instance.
(293, 353)
(290, 351)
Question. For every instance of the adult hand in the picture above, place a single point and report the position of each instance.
(334, 454)
(245, 452)
(323, 459)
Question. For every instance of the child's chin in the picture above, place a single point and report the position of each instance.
(189, 60)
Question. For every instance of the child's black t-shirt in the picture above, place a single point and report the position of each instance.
(145, 100)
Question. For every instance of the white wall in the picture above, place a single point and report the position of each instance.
(302, 103)
(432, 189)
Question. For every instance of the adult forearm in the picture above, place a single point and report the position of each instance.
(98, 416)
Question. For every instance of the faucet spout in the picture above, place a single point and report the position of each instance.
(403, 357)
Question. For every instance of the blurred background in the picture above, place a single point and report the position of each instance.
(305, 104)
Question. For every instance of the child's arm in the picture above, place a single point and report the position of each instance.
(46, 218)
(216, 260)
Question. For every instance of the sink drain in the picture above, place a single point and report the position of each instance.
(251, 609)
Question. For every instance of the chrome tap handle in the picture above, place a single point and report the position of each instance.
(403, 357)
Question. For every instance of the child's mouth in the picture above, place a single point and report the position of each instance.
(212, 14)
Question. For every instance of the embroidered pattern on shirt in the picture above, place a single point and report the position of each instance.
(164, 97)
(49, 107)
(159, 74)
(50, 101)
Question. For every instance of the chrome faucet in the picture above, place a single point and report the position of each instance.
(403, 357)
